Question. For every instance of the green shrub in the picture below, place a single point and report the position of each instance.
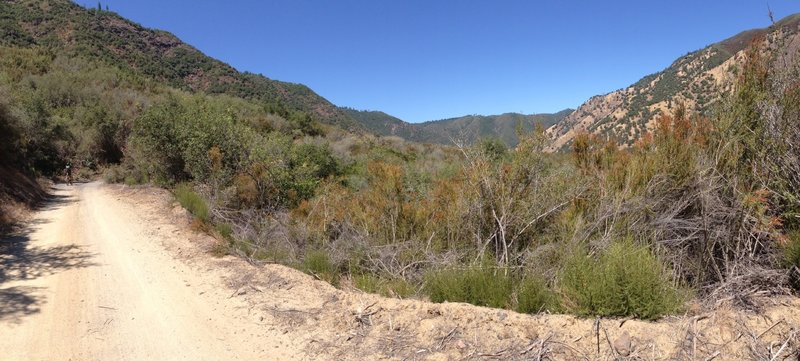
(114, 174)
(627, 280)
(493, 148)
(131, 181)
(133, 177)
(791, 251)
(84, 174)
(482, 286)
(273, 253)
(242, 248)
(387, 287)
(791, 258)
(533, 296)
(191, 201)
(397, 288)
(225, 230)
(317, 157)
(367, 283)
(319, 264)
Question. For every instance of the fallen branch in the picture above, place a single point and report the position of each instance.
(770, 328)
(446, 337)
(713, 356)
(791, 336)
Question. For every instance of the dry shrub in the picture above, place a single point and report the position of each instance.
(393, 226)
(710, 226)
(712, 198)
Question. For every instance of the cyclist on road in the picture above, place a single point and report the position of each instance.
(68, 172)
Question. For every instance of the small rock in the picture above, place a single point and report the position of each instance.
(460, 344)
(623, 344)
(531, 333)
(501, 316)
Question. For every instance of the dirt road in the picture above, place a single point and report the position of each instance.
(116, 273)
(89, 281)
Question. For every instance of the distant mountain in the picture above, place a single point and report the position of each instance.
(467, 128)
(380, 123)
(697, 80)
(71, 30)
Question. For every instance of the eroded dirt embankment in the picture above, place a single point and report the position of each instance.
(19, 194)
(110, 272)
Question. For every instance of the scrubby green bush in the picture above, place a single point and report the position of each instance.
(84, 174)
(791, 250)
(203, 140)
(276, 254)
(225, 230)
(791, 258)
(192, 201)
(533, 296)
(387, 287)
(626, 280)
(317, 263)
(135, 177)
(114, 174)
(482, 286)
(493, 148)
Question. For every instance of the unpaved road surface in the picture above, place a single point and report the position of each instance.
(116, 273)
(88, 281)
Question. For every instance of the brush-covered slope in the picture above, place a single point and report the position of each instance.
(697, 80)
(70, 29)
(467, 128)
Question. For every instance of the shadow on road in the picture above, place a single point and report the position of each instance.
(18, 302)
(21, 261)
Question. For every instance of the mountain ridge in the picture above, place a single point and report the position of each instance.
(467, 128)
(697, 80)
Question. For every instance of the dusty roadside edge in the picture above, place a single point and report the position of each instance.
(327, 323)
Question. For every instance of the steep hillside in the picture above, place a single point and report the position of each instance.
(380, 123)
(697, 80)
(19, 190)
(70, 29)
(468, 128)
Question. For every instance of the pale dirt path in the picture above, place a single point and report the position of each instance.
(117, 273)
(99, 286)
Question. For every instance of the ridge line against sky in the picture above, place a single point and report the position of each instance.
(422, 60)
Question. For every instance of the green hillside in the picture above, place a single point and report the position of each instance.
(72, 30)
(380, 123)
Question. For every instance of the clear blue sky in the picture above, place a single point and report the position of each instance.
(425, 59)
